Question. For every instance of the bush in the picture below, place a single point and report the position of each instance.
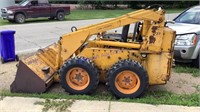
(104, 4)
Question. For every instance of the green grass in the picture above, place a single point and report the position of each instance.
(174, 10)
(96, 14)
(158, 97)
(87, 14)
(57, 105)
(4, 22)
(164, 97)
(187, 69)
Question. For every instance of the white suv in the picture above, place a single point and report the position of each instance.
(187, 44)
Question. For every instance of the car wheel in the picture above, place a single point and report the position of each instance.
(20, 18)
(60, 16)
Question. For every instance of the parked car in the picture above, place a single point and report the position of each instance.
(187, 43)
(34, 9)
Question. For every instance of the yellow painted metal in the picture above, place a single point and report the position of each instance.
(116, 44)
(158, 62)
(43, 58)
(59, 59)
(35, 64)
(159, 68)
(158, 65)
(168, 40)
(153, 40)
(156, 47)
(145, 27)
(73, 41)
(56, 77)
(105, 58)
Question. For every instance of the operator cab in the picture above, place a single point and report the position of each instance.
(130, 33)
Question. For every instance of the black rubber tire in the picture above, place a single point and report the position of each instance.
(16, 58)
(131, 66)
(20, 18)
(85, 64)
(196, 62)
(2, 60)
(60, 16)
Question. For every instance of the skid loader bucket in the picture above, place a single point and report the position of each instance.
(36, 72)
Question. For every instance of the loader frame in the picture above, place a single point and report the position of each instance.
(149, 50)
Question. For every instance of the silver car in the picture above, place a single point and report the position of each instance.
(187, 44)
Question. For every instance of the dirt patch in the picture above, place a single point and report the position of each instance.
(7, 74)
(180, 83)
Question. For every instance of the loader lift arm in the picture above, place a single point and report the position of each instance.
(79, 37)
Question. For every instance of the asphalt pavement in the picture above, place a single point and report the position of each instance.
(32, 36)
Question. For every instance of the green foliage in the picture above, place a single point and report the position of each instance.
(187, 69)
(2, 96)
(58, 105)
(100, 14)
(95, 14)
(165, 4)
(100, 4)
(4, 22)
(151, 97)
(164, 97)
(197, 87)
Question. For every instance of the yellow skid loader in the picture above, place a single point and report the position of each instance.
(127, 62)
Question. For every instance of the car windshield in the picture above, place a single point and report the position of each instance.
(191, 16)
(24, 3)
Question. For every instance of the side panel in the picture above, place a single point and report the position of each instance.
(159, 65)
(168, 40)
(153, 39)
(159, 68)
(104, 58)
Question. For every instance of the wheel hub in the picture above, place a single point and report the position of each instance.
(127, 81)
(77, 78)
